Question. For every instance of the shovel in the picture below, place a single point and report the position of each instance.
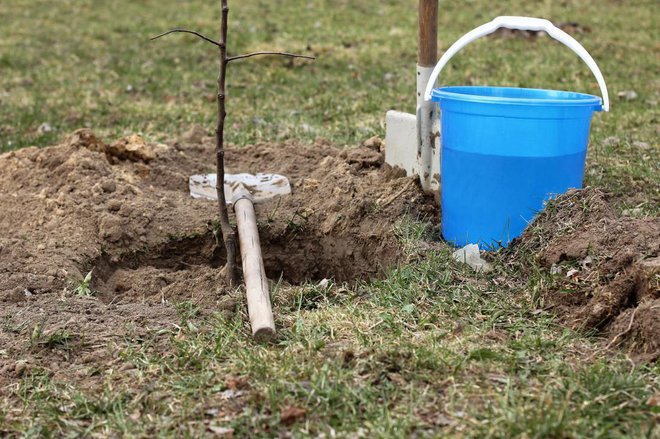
(242, 191)
(412, 140)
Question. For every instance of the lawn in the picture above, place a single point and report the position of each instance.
(432, 349)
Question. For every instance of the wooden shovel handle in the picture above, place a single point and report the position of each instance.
(256, 283)
(427, 54)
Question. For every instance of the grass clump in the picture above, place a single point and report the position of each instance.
(84, 288)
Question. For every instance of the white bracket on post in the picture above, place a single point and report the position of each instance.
(428, 135)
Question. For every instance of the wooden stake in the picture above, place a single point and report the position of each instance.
(256, 283)
(427, 53)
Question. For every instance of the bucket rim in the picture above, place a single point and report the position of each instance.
(537, 96)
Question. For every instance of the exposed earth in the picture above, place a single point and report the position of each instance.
(605, 267)
(122, 211)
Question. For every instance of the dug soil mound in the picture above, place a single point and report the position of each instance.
(606, 269)
(123, 212)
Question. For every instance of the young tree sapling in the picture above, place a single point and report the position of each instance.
(228, 232)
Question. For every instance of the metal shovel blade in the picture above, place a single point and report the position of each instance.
(412, 140)
(262, 187)
(401, 141)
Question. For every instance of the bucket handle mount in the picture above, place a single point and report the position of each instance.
(520, 23)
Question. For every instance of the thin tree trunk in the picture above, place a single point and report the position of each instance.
(228, 232)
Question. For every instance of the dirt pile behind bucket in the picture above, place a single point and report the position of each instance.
(606, 269)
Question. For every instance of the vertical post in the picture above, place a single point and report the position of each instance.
(427, 52)
(428, 125)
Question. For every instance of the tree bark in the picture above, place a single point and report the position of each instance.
(228, 232)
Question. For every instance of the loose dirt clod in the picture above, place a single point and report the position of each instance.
(123, 211)
(611, 280)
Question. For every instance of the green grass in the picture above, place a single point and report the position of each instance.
(108, 75)
(84, 288)
(431, 350)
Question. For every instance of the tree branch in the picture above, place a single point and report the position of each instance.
(205, 38)
(249, 55)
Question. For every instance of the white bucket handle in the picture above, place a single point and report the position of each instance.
(520, 23)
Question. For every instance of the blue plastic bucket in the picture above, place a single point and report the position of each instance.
(505, 151)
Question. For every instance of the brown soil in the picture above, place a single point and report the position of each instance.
(123, 211)
(607, 270)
